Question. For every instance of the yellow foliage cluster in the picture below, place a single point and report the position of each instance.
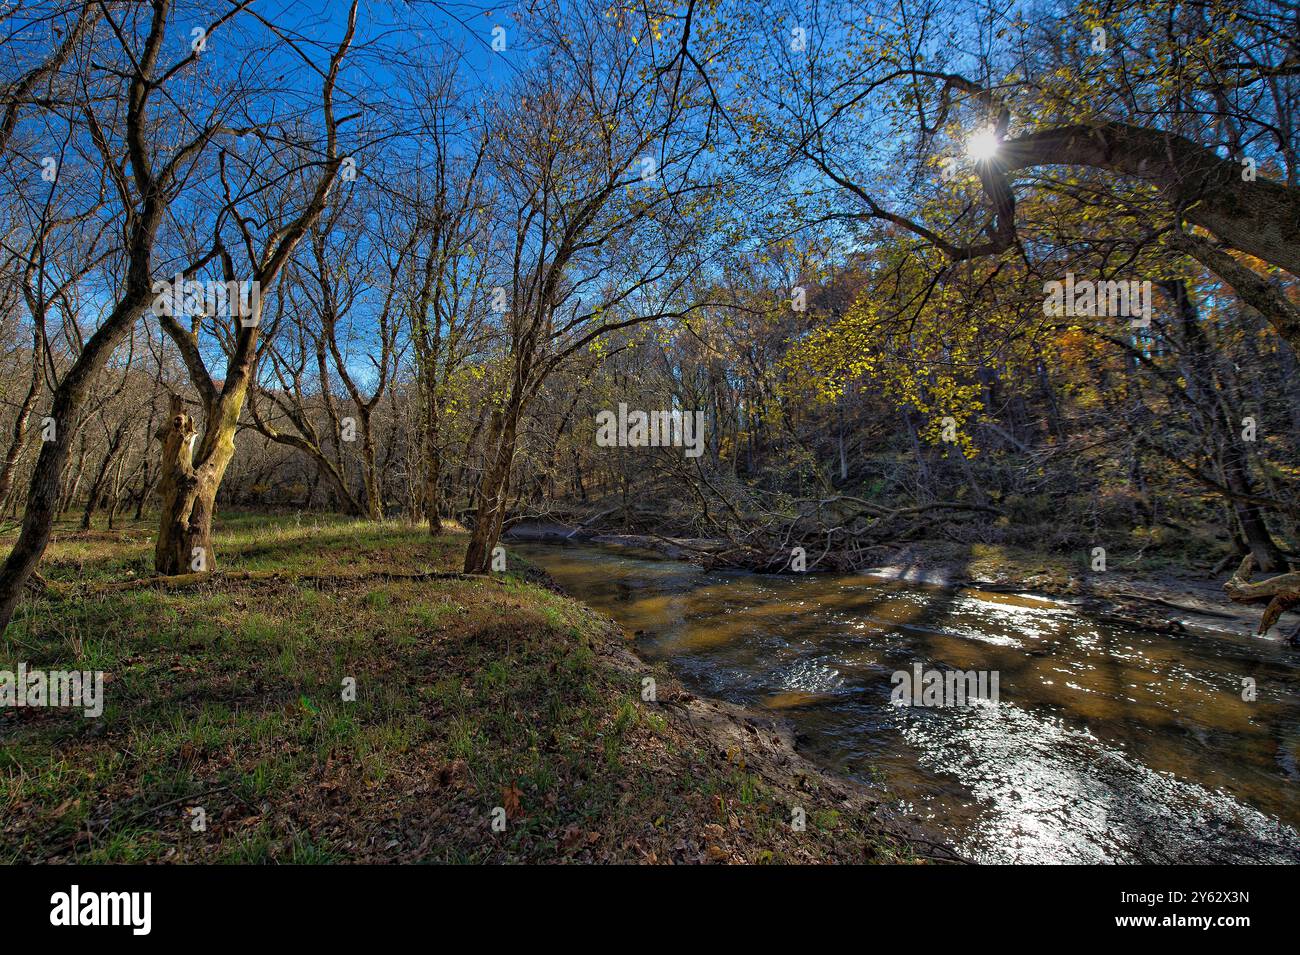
(929, 363)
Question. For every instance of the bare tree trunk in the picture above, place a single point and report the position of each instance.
(1232, 457)
(311, 491)
(97, 485)
(578, 484)
(115, 499)
(43, 494)
(1268, 556)
(177, 487)
(432, 461)
(189, 494)
(492, 491)
(370, 473)
(74, 483)
(18, 443)
(433, 491)
(147, 481)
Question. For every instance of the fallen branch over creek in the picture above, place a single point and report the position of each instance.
(836, 534)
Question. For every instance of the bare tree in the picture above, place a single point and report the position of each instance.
(112, 105)
(193, 465)
(598, 160)
(450, 239)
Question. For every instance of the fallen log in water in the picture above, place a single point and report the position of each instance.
(1280, 593)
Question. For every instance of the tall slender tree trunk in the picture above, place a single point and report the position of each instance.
(69, 398)
(1268, 556)
(432, 490)
(74, 483)
(1231, 455)
(311, 491)
(374, 491)
(18, 443)
(922, 468)
(1289, 383)
(147, 480)
(579, 486)
(493, 490)
(97, 485)
(115, 500)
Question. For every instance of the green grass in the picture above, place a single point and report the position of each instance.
(469, 694)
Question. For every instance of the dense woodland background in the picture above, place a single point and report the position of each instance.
(762, 211)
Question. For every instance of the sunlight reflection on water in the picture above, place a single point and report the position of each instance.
(1108, 744)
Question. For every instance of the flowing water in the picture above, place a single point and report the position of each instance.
(1108, 744)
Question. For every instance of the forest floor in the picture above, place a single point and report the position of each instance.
(472, 695)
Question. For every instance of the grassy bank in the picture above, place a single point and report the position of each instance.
(471, 694)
